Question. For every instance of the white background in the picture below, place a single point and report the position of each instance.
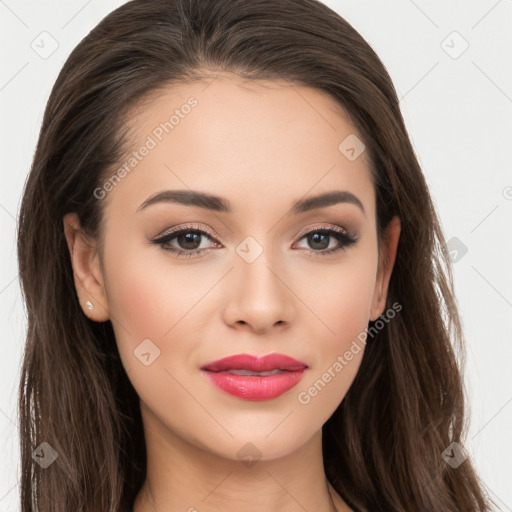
(459, 115)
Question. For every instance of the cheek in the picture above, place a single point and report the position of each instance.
(148, 310)
(143, 305)
(152, 300)
(342, 307)
(341, 298)
(136, 300)
(147, 297)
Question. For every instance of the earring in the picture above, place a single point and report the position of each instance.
(89, 305)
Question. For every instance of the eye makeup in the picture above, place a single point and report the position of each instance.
(191, 234)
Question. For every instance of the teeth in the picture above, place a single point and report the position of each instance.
(255, 374)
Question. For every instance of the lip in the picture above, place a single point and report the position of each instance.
(289, 372)
(255, 363)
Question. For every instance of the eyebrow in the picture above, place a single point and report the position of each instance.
(219, 204)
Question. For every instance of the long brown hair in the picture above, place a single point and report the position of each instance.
(383, 445)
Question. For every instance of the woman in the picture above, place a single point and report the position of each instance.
(238, 291)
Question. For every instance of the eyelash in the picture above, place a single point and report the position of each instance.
(338, 233)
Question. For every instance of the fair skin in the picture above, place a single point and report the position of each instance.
(261, 146)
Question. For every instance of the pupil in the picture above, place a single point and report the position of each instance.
(314, 240)
(188, 239)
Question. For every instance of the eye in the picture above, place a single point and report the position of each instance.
(320, 239)
(188, 239)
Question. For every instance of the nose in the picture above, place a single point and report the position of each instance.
(259, 297)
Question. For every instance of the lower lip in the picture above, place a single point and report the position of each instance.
(253, 387)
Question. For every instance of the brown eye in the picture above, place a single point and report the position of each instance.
(187, 239)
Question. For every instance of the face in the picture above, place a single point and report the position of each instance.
(189, 281)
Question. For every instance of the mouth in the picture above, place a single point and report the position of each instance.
(253, 374)
(255, 378)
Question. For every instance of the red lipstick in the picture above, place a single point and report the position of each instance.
(255, 378)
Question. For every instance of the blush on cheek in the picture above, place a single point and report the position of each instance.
(138, 310)
(347, 310)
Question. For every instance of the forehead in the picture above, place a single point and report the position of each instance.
(228, 136)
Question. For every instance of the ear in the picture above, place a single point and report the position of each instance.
(87, 270)
(385, 267)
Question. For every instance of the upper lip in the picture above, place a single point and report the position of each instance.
(254, 363)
